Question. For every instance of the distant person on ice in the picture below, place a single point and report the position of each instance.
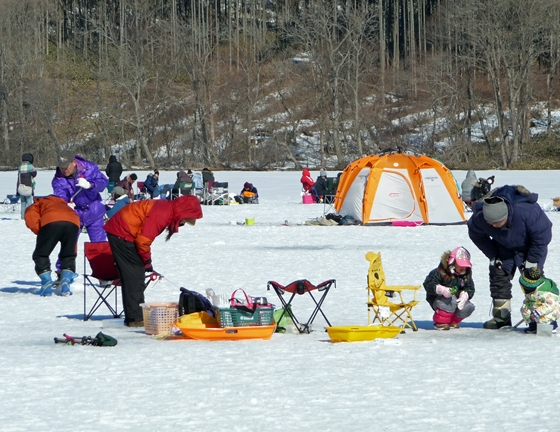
(114, 169)
(53, 222)
(513, 231)
(321, 185)
(450, 288)
(25, 187)
(308, 183)
(120, 199)
(250, 193)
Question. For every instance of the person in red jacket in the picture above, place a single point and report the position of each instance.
(308, 183)
(54, 222)
(131, 232)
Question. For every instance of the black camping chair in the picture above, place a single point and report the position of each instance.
(301, 287)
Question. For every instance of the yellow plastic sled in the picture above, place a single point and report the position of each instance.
(362, 333)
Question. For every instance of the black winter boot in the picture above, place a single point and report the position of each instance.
(502, 315)
(532, 329)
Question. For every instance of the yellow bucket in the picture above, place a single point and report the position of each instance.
(250, 222)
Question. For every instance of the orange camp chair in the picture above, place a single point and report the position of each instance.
(301, 287)
(100, 258)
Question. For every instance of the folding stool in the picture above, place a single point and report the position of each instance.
(301, 287)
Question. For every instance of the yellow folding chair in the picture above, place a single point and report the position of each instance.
(386, 304)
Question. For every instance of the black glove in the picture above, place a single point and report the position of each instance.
(149, 268)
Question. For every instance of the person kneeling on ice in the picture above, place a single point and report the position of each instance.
(131, 232)
(541, 303)
(54, 222)
(449, 288)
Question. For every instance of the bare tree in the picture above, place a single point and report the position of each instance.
(506, 35)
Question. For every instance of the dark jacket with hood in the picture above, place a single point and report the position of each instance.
(182, 177)
(321, 186)
(114, 169)
(524, 237)
(207, 176)
(26, 172)
(442, 275)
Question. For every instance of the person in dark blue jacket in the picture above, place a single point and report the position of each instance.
(513, 231)
(152, 184)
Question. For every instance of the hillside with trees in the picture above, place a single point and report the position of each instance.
(239, 84)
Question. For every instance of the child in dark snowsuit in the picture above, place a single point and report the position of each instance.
(449, 288)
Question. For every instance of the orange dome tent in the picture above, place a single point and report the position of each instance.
(399, 187)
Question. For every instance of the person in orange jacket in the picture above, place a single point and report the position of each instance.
(54, 222)
(131, 232)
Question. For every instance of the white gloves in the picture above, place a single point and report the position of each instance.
(83, 183)
(71, 205)
(462, 300)
(443, 291)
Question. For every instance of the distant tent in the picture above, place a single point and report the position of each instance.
(399, 187)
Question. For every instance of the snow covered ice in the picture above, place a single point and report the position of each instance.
(468, 379)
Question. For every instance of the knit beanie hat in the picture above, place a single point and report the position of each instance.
(247, 185)
(118, 191)
(322, 173)
(494, 209)
(530, 278)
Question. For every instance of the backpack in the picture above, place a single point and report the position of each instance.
(191, 302)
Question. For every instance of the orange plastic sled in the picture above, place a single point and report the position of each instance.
(202, 326)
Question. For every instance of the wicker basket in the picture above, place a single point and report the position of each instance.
(158, 317)
(235, 317)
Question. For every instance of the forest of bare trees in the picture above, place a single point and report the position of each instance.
(233, 83)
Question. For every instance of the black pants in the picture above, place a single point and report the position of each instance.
(131, 271)
(500, 283)
(65, 233)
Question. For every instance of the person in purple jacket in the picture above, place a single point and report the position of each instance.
(513, 231)
(79, 182)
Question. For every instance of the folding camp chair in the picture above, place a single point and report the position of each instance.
(11, 203)
(387, 303)
(183, 189)
(102, 263)
(216, 193)
(301, 287)
(100, 259)
(143, 193)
